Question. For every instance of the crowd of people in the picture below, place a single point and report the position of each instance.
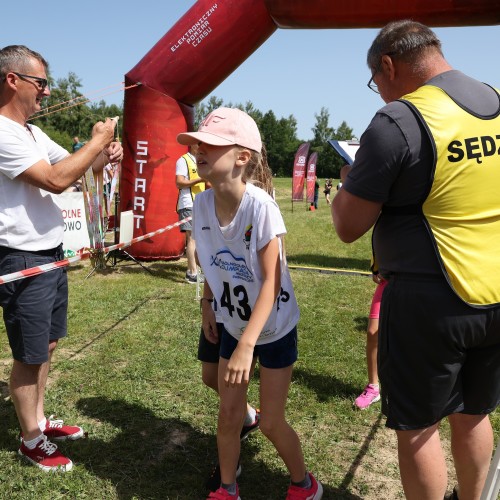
(433, 334)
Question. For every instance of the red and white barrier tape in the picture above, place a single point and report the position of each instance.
(35, 271)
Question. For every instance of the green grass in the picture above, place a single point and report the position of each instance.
(128, 374)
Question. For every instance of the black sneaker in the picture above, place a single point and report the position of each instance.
(194, 278)
(190, 278)
(213, 482)
(248, 429)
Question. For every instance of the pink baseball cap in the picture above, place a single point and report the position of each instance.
(225, 127)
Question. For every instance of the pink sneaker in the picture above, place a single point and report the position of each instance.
(55, 430)
(369, 395)
(315, 492)
(222, 494)
(46, 456)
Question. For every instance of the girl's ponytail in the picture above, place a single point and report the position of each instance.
(258, 172)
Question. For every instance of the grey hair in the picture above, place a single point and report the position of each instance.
(18, 58)
(405, 40)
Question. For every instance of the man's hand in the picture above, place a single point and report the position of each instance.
(114, 152)
(104, 132)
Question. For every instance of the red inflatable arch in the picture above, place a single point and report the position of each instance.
(206, 45)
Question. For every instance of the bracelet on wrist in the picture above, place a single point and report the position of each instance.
(207, 299)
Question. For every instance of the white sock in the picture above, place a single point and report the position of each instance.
(375, 386)
(250, 418)
(42, 424)
(33, 442)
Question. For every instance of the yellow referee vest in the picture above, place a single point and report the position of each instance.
(192, 174)
(462, 208)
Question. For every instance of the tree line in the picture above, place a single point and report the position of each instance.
(66, 114)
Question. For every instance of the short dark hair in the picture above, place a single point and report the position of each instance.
(403, 39)
(18, 58)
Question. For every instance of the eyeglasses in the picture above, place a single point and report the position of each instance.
(371, 84)
(41, 82)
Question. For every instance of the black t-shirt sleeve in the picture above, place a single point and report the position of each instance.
(378, 161)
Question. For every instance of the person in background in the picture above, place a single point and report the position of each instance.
(76, 144)
(427, 171)
(32, 169)
(328, 190)
(316, 192)
(371, 393)
(189, 184)
(238, 230)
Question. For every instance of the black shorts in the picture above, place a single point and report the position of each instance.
(35, 308)
(208, 352)
(437, 355)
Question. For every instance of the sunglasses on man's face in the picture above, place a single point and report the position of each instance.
(41, 82)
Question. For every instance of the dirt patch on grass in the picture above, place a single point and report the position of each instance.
(377, 473)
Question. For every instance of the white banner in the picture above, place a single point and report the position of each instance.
(76, 235)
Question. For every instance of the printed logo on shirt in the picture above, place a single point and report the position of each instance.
(205, 228)
(226, 261)
(248, 235)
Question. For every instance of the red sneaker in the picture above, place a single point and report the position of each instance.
(46, 456)
(222, 494)
(315, 492)
(55, 430)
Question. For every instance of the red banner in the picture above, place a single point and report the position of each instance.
(311, 176)
(299, 172)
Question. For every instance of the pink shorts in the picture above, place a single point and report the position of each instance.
(377, 298)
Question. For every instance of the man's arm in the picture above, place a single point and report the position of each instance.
(352, 216)
(182, 182)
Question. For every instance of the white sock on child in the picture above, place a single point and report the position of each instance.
(250, 418)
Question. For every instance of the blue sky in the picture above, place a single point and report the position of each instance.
(101, 41)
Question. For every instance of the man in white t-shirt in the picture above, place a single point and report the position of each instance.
(189, 185)
(32, 169)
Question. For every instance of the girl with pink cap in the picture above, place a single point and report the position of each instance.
(248, 300)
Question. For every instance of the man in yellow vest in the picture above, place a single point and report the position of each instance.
(189, 184)
(427, 173)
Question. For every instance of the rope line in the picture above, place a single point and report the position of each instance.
(42, 114)
(82, 96)
(35, 271)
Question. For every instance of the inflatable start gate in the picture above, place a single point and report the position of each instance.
(205, 46)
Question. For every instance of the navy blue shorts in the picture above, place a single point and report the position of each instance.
(34, 309)
(278, 354)
(208, 352)
(437, 355)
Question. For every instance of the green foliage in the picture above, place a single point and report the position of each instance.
(329, 162)
(66, 112)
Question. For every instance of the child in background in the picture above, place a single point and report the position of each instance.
(371, 393)
(238, 230)
(208, 354)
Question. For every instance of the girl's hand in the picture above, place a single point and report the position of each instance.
(208, 322)
(239, 366)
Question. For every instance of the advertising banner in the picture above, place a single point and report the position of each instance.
(311, 176)
(76, 235)
(299, 171)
